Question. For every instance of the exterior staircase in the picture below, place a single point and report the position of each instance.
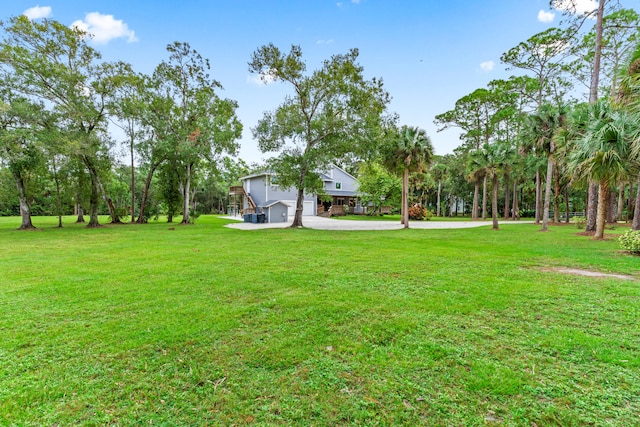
(238, 190)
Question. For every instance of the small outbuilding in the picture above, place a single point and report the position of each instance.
(275, 211)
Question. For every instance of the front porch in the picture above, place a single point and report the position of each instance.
(339, 206)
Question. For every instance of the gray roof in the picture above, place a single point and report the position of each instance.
(270, 203)
(254, 175)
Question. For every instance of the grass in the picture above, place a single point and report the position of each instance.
(204, 325)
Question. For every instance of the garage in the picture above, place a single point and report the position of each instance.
(307, 207)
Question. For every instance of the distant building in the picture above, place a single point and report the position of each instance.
(260, 193)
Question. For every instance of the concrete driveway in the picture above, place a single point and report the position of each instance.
(320, 223)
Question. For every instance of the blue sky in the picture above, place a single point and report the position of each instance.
(429, 53)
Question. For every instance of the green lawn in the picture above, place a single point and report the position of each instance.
(203, 325)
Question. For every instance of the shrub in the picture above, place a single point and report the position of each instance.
(193, 216)
(630, 241)
(419, 213)
(579, 221)
(524, 213)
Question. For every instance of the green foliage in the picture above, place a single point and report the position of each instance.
(200, 125)
(194, 214)
(334, 112)
(630, 241)
(579, 221)
(54, 65)
(407, 148)
(378, 187)
(169, 189)
(603, 153)
(9, 204)
(542, 56)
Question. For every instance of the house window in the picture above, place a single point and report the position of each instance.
(272, 183)
(338, 185)
(340, 202)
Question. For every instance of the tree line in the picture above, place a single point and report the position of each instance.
(534, 133)
(529, 140)
(58, 100)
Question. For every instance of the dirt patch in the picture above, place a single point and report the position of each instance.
(588, 273)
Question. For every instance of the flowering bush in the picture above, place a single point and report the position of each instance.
(419, 213)
(630, 241)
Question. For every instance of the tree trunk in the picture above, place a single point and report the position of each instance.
(494, 200)
(145, 193)
(25, 209)
(115, 218)
(514, 211)
(507, 196)
(547, 194)
(476, 190)
(611, 202)
(538, 196)
(95, 194)
(405, 198)
(452, 205)
(56, 181)
(631, 200)
(484, 198)
(438, 199)
(297, 218)
(603, 195)
(566, 206)
(556, 194)
(595, 75)
(185, 195)
(133, 186)
(621, 200)
(636, 211)
(80, 219)
(592, 206)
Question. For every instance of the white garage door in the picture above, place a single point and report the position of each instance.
(307, 208)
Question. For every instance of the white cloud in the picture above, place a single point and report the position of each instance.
(577, 6)
(487, 66)
(37, 12)
(261, 79)
(105, 28)
(343, 5)
(546, 17)
(325, 41)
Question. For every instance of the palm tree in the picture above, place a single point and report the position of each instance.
(494, 158)
(540, 128)
(628, 96)
(603, 154)
(409, 150)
